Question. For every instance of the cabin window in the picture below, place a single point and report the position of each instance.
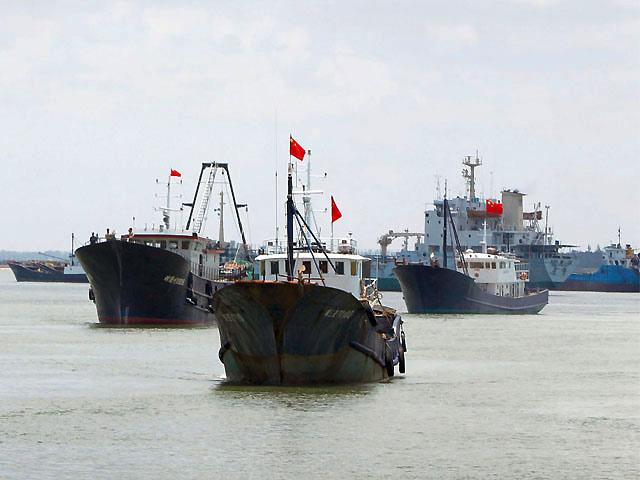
(307, 267)
(275, 270)
(339, 268)
(503, 265)
(354, 268)
(163, 244)
(324, 266)
(493, 265)
(185, 245)
(459, 264)
(148, 243)
(476, 265)
(173, 244)
(487, 265)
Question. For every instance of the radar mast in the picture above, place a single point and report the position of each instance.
(470, 175)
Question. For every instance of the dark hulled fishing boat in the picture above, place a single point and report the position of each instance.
(58, 270)
(33, 271)
(313, 328)
(160, 276)
(477, 283)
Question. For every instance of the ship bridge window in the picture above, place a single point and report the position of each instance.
(275, 270)
(354, 268)
(339, 268)
(307, 267)
(324, 266)
(185, 245)
(476, 265)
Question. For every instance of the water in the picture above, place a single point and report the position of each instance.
(555, 395)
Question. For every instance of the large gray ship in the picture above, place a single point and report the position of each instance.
(510, 229)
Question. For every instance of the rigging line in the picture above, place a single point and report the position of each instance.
(235, 219)
(324, 250)
(313, 257)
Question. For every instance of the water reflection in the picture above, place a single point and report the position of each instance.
(300, 398)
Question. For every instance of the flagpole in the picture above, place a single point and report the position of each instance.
(168, 222)
(276, 159)
(331, 235)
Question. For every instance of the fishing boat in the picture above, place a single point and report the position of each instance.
(308, 319)
(476, 282)
(57, 270)
(160, 276)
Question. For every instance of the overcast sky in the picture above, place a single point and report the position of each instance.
(98, 99)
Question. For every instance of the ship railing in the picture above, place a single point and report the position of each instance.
(340, 245)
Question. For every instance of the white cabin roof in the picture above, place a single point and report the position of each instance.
(317, 255)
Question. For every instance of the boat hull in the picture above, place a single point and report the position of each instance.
(135, 284)
(608, 278)
(43, 273)
(440, 290)
(277, 333)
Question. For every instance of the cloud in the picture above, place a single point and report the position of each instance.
(452, 37)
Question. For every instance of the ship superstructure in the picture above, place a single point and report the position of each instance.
(510, 229)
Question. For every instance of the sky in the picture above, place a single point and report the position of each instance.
(100, 99)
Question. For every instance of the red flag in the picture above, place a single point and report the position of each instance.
(494, 208)
(296, 149)
(335, 212)
(175, 173)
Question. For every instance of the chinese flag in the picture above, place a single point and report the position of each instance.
(494, 207)
(175, 173)
(296, 149)
(335, 211)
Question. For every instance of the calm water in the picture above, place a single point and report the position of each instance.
(555, 395)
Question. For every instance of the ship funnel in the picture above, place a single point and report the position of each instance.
(512, 205)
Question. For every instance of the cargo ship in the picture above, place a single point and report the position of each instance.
(510, 229)
(474, 282)
(164, 276)
(308, 319)
(618, 272)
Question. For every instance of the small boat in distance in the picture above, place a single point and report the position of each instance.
(58, 270)
(162, 276)
(306, 321)
(484, 282)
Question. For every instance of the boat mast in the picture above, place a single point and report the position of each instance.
(221, 230)
(445, 208)
(546, 228)
(306, 198)
(290, 213)
(72, 256)
(484, 236)
(470, 175)
(166, 217)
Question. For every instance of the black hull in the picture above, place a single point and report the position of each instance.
(43, 273)
(135, 284)
(440, 290)
(294, 334)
